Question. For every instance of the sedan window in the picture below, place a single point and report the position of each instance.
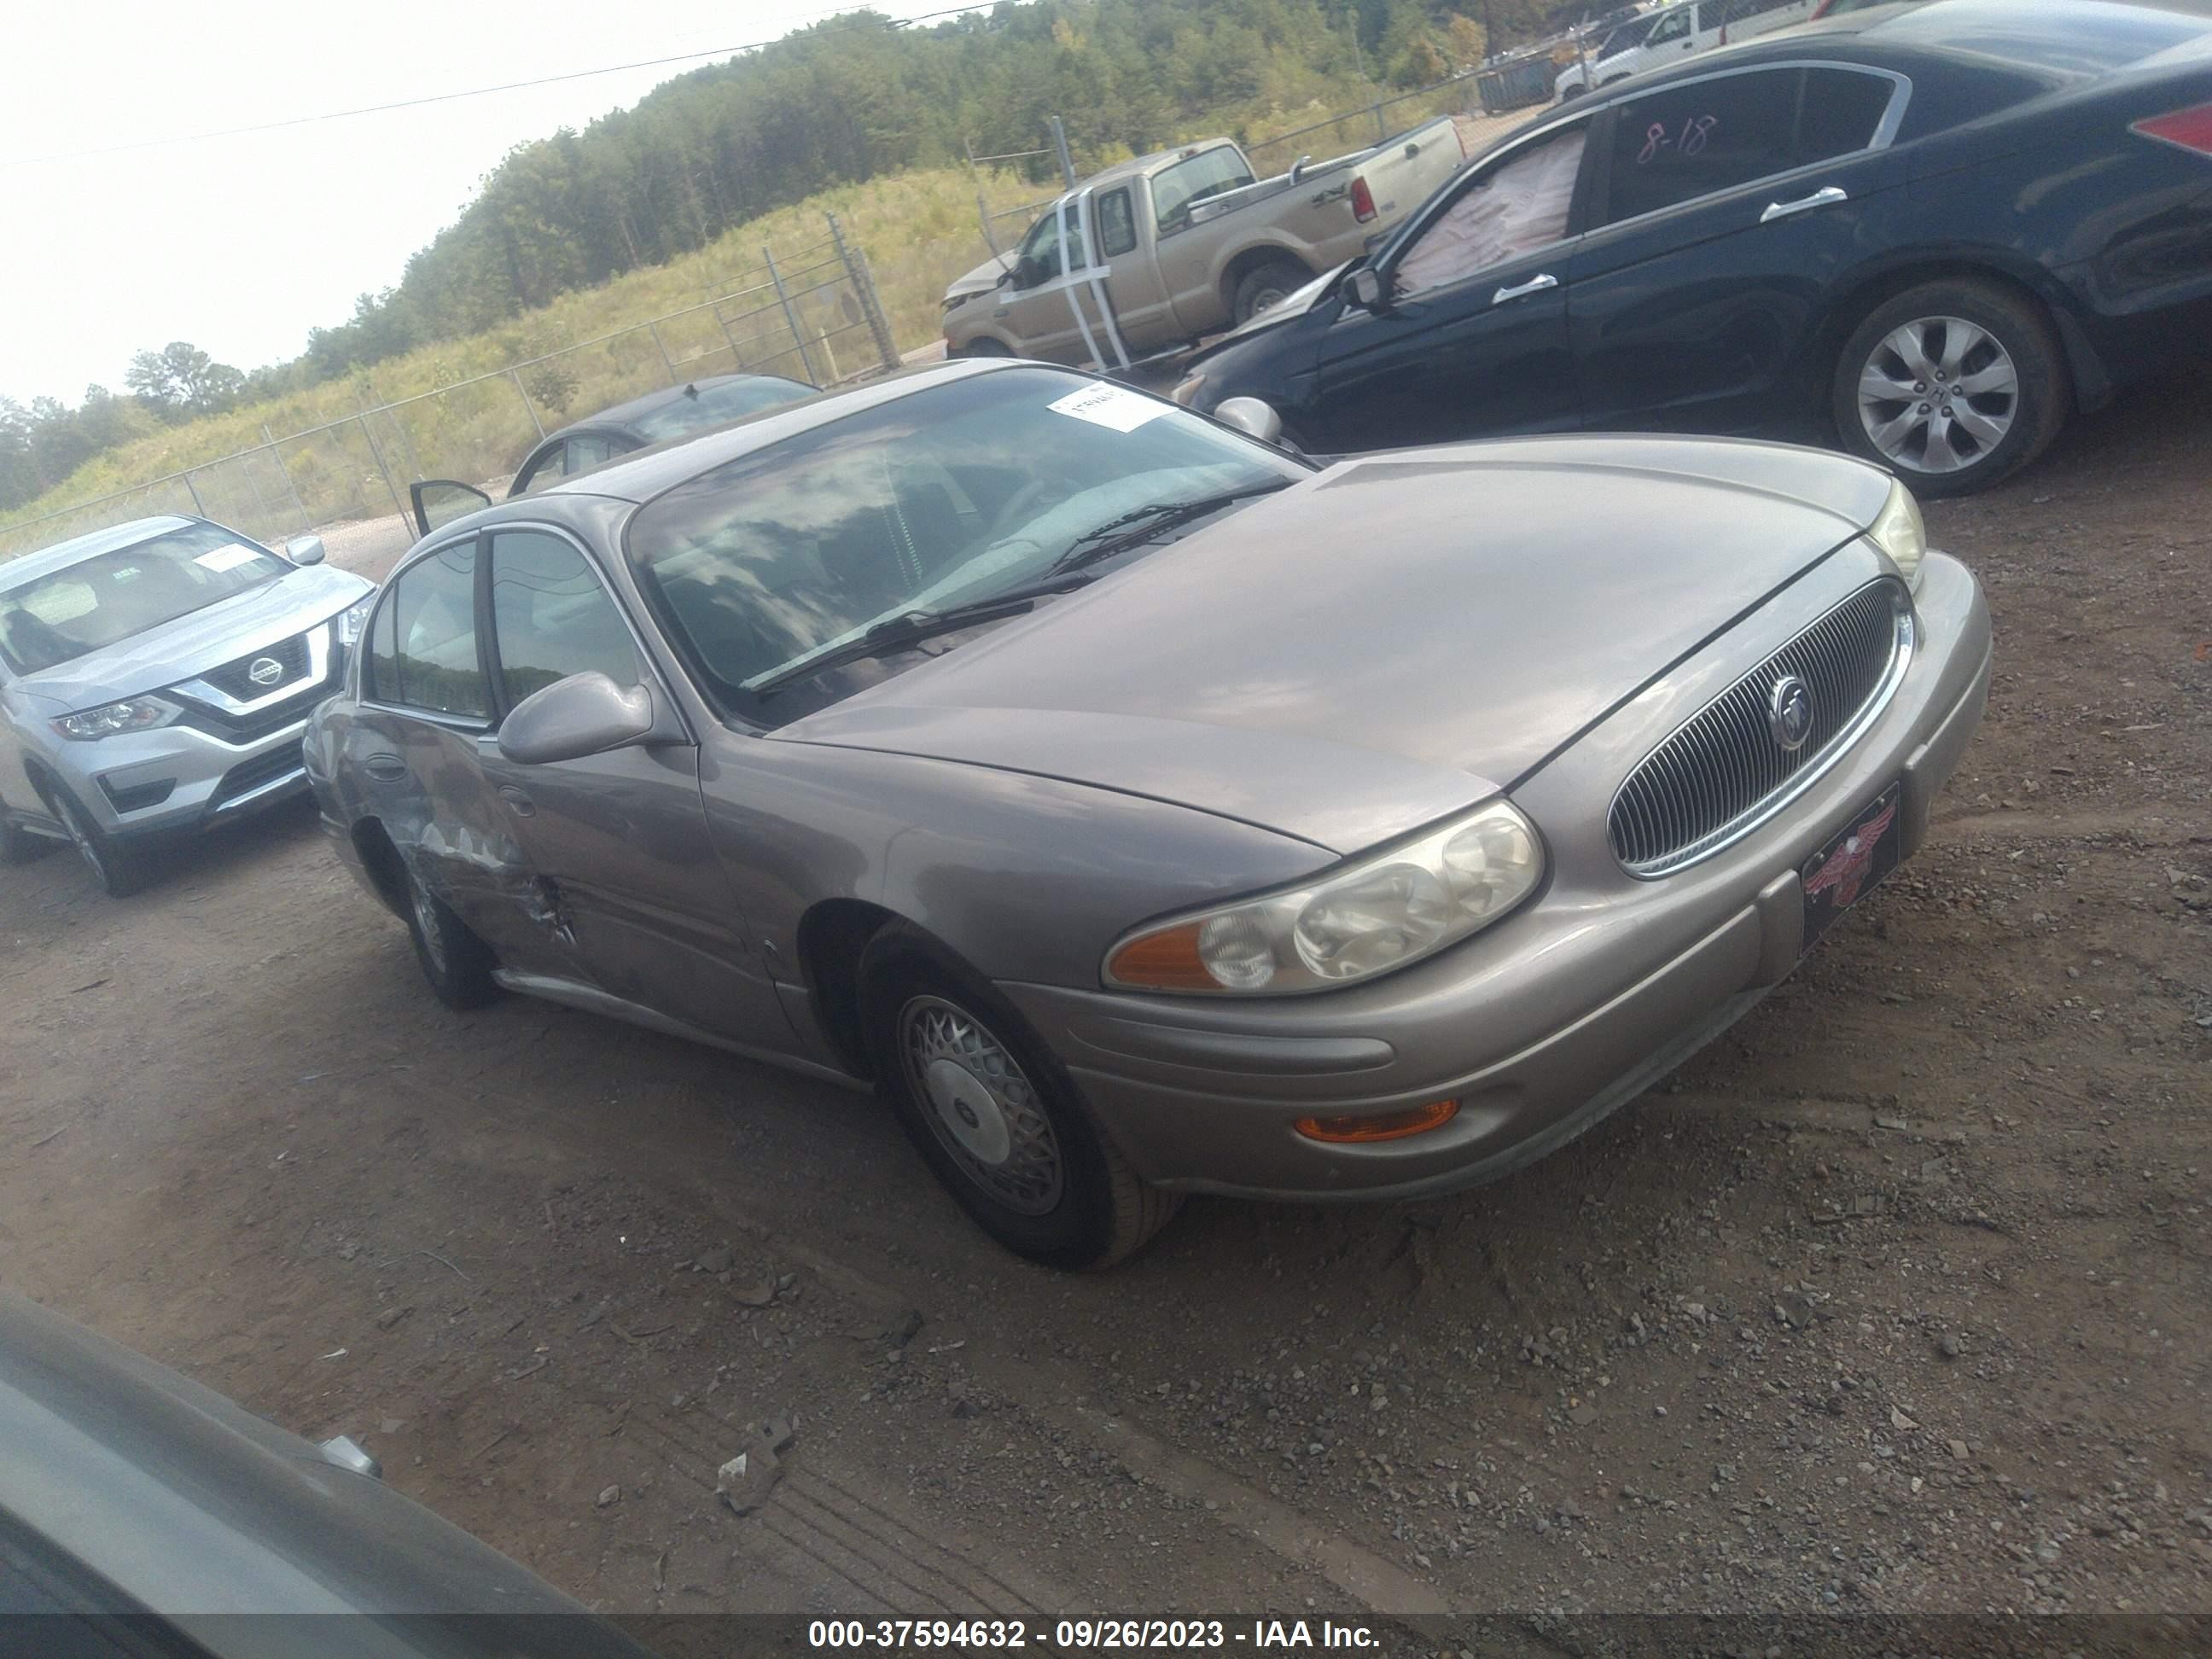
(966, 490)
(1518, 206)
(589, 449)
(552, 617)
(1693, 138)
(540, 471)
(711, 405)
(427, 657)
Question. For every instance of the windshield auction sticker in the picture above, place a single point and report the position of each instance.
(1109, 406)
(227, 558)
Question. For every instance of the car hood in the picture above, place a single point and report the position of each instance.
(981, 279)
(1393, 640)
(201, 640)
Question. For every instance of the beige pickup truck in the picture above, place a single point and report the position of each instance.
(1188, 243)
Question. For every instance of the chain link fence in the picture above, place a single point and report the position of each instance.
(808, 313)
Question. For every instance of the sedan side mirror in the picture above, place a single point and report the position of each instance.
(586, 713)
(1369, 290)
(304, 549)
(1252, 416)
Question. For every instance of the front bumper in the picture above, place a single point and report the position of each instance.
(187, 780)
(1545, 1023)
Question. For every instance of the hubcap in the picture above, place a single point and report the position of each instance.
(980, 1105)
(426, 924)
(1938, 395)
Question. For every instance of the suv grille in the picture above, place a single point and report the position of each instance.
(1723, 772)
(236, 679)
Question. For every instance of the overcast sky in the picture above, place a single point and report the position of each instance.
(241, 244)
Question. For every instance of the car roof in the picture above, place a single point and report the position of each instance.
(623, 416)
(91, 545)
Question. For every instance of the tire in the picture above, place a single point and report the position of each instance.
(1022, 1156)
(120, 868)
(983, 346)
(1567, 93)
(1930, 342)
(1265, 284)
(456, 963)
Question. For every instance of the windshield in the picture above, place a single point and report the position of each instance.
(1627, 35)
(88, 605)
(951, 494)
(711, 405)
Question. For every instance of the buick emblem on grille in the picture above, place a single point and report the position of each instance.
(1790, 713)
(264, 671)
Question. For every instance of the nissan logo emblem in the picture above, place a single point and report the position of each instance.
(1790, 713)
(264, 671)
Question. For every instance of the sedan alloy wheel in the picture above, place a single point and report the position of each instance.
(1938, 394)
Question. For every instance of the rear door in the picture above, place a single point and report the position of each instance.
(1727, 210)
(634, 901)
(1474, 339)
(1132, 280)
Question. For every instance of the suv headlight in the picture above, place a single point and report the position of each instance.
(1898, 532)
(114, 719)
(1367, 917)
(352, 620)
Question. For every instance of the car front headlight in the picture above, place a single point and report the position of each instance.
(1186, 391)
(1367, 917)
(1898, 532)
(114, 719)
(352, 620)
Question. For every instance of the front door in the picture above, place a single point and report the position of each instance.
(633, 897)
(1473, 340)
(1728, 209)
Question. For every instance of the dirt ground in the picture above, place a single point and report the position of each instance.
(1893, 1300)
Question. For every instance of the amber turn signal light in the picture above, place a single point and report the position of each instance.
(1165, 961)
(1385, 1126)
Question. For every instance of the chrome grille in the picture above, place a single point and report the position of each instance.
(1722, 772)
(236, 678)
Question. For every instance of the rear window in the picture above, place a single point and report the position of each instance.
(711, 405)
(1206, 174)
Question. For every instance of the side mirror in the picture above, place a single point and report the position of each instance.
(304, 549)
(1368, 290)
(1252, 416)
(439, 502)
(586, 713)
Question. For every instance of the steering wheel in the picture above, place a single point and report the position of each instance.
(1040, 494)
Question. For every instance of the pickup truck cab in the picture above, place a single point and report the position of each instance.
(1668, 33)
(1188, 243)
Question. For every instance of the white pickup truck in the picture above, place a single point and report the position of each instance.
(1659, 36)
(1187, 243)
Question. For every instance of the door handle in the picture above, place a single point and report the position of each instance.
(523, 806)
(1535, 284)
(384, 769)
(1826, 196)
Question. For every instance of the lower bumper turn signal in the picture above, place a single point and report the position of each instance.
(1384, 1126)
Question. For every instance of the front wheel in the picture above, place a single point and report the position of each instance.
(1952, 386)
(120, 868)
(994, 1115)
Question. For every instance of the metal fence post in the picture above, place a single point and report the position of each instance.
(790, 317)
(653, 329)
(528, 408)
(193, 490)
(291, 488)
(1380, 135)
(863, 288)
(1066, 160)
(397, 506)
(736, 357)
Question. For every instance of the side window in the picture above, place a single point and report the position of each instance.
(1692, 139)
(1042, 245)
(537, 472)
(1517, 205)
(1193, 180)
(588, 450)
(1674, 26)
(1840, 113)
(552, 617)
(432, 659)
(382, 679)
(1117, 224)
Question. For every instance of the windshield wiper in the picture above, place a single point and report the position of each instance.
(910, 628)
(1153, 519)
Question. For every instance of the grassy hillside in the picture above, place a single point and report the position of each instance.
(918, 229)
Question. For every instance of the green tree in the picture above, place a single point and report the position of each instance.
(180, 382)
